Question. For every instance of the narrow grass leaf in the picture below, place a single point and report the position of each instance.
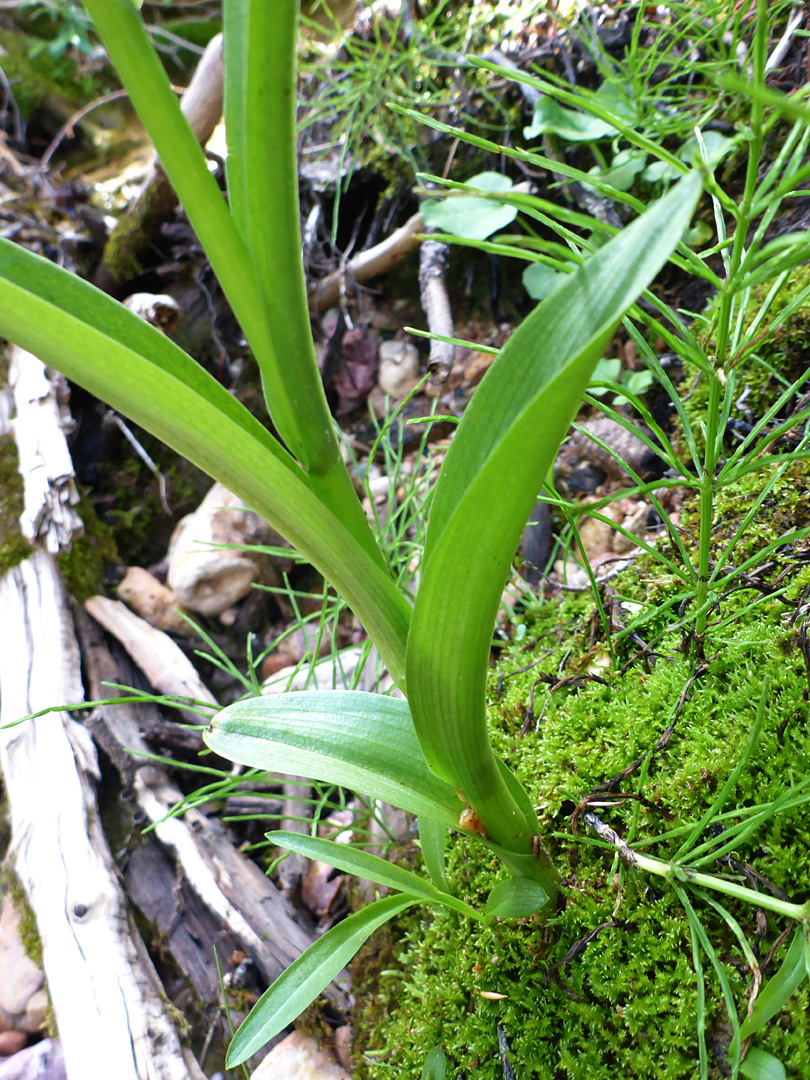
(731, 782)
(364, 741)
(362, 864)
(307, 976)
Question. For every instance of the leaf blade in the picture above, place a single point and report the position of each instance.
(362, 741)
(363, 864)
(118, 357)
(779, 988)
(307, 976)
(498, 460)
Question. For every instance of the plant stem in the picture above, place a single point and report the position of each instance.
(675, 872)
(742, 217)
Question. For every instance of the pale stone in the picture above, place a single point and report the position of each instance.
(636, 524)
(399, 368)
(212, 579)
(36, 1013)
(571, 574)
(299, 1058)
(152, 600)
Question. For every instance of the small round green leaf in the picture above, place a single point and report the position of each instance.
(539, 280)
(760, 1065)
(515, 898)
(568, 124)
(470, 217)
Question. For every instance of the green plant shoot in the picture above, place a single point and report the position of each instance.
(432, 755)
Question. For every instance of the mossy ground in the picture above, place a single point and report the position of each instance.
(13, 545)
(627, 1005)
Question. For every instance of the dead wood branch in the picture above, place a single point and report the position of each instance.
(244, 901)
(202, 107)
(433, 259)
(368, 264)
(104, 989)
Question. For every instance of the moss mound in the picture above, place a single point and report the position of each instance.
(607, 987)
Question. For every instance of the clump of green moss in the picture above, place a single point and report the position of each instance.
(14, 548)
(84, 565)
(625, 1005)
(42, 79)
(29, 934)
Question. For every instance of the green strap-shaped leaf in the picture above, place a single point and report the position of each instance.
(364, 741)
(433, 842)
(266, 291)
(496, 464)
(121, 29)
(307, 976)
(363, 864)
(260, 103)
(779, 988)
(133, 367)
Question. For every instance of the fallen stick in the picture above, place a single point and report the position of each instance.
(232, 887)
(105, 992)
(367, 264)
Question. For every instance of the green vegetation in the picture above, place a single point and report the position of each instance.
(680, 689)
(14, 548)
(84, 565)
(627, 1004)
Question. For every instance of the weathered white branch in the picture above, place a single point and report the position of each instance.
(104, 989)
(45, 465)
(367, 264)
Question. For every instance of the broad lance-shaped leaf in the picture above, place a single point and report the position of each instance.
(364, 741)
(307, 976)
(363, 864)
(496, 464)
(118, 357)
(267, 294)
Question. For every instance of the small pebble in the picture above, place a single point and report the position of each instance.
(11, 1042)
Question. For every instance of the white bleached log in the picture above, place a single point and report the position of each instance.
(104, 989)
(45, 466)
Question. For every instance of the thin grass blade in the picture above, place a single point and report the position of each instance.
(362, 864)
